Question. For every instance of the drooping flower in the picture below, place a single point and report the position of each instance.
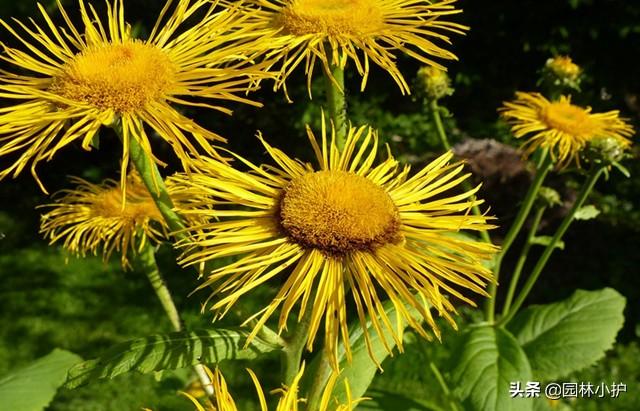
(68, 82)
(561, 127)
(91, 218)
(348, 225)
(289, 396)
(363, 31)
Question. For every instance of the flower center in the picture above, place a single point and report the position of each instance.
(568, 118)
(122, 77)
(332, 17)
(338, 212)
(139, 205)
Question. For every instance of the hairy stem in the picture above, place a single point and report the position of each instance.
(148, 171)
(294, 346)
(543, 168)
(337, 104)
(586, 189)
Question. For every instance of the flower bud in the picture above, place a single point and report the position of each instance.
(433, 83)
(561, 71)
(605, 150)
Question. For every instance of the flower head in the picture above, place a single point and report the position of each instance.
(561, 127)
(67, 84)
(92, 218)
(348, 225)
(364, 31)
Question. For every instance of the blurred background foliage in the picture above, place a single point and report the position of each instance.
(52, 300)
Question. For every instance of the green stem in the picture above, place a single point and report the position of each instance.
(522, 259)
(541, 172)
(439, 377)
(443, 384)
(150, 175)
(444, 140)
(147, 261)
(294, 346)
(320, 378)
(593, 177)
(337, 104)
(152, 179)
(437, 119)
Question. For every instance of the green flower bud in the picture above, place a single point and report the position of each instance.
(433, 83)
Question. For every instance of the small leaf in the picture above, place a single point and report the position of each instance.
(168, 352)
(625, 172)
(569, 335)
(489, 361)
(545, 240)
(587, 212)
(32, 388)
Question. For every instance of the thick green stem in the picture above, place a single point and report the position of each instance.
(444, 140)
(148, 171)
(147, 261)
(593, 177)
(320, 378)
(294, 346)
(152, 179)
(337, 104)
(522, 259)
(541, 172)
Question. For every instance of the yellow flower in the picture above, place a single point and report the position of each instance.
(289, 398)
(76, 81)
(563, 67)
(561, 127)
(364, 31)
(349, 225)
(92, 218)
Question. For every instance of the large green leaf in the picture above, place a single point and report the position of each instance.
(168, 351)
(361, 371)
(569, 335)
(489, 361)
(32, 388)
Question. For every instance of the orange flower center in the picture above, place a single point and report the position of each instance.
(121, 77)
(568, 118)
(338, 212)
(331, 17)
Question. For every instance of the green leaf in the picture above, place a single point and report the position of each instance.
(569, 335)
(625, 172)
(587, 212)
(361, 371)
(168, 351)
(32, 388)
(491, 359)
(387, 401)
(545, 240)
